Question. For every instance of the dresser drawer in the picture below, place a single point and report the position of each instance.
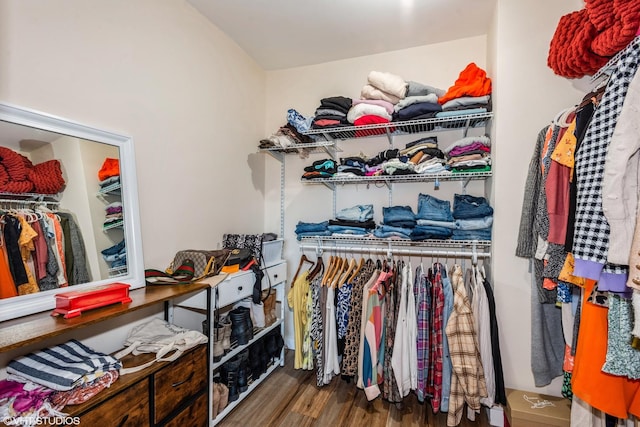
(195, 415)
(276, 273)
(235, 287)
(130, 408)
(179, 381)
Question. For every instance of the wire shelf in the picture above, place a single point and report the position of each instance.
(404, 127)
(115, 187)
(29, 199)
(375, 241)
(115, 224)
(385, 179)
(118, 271)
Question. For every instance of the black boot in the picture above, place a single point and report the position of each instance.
(229, 376)
(245, 376)
(257, 362)
(273, 344)
(240, 322)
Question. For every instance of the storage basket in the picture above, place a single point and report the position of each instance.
(272, 251)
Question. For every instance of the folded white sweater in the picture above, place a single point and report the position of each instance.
(359, 110)
(387, 82)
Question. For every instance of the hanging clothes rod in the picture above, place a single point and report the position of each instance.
(4, 202)
(391, 251)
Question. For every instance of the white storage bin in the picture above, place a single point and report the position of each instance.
(272, 251)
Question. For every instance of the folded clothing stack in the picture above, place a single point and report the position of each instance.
(312, 229)
(332, 112)
(469, 154)
(474, 218)
(434, 219)
(114, 215)
(40, 384)
(324, 168)
(116, 255)
(397, 222)
(353, 221)
(284, 137)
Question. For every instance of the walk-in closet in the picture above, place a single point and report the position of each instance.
(401, 213)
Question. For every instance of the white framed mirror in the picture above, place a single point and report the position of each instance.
(99, 200)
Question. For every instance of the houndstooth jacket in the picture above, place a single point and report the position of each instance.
(591, 235)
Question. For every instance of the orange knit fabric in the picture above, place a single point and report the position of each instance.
(473, 81)
(110, 167)
(600, 13)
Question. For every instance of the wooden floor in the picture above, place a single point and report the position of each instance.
(290, 398)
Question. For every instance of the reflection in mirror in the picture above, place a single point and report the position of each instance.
(68, 205)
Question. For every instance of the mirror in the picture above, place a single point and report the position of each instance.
(97, 201)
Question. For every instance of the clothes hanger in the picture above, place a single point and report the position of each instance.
(356, 271)
(317, 268)
(329, 270)
(303, 259)
(348, 271)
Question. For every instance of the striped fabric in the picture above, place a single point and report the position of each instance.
(437, 311)
(422, 289)
(64, 366)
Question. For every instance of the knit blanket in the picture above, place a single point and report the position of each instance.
(19, 175)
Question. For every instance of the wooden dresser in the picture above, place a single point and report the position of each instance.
(164, 394)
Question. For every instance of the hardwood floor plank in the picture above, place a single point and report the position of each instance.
(290, 398)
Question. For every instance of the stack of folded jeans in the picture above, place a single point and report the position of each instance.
(308, 229)
(434, 219)
(116, 255)
(474, 218)
(353, 221)
(397, 221)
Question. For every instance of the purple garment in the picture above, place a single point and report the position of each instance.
(114, 210)
(385, 104)
(423, 312)
(25, 400)
(466, 148)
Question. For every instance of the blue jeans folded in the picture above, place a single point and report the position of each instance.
(305, 227)
(341, 229)
(356, 213)
(399, 216)
(474, 223)
(444, 224)
(466, 206)
(472, 234)
(384, 231)
(299, 236)
(429, 232)
(115, 249)
(433, 208)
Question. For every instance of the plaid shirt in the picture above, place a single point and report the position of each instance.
(423, 311)
(437, 310)
(467, 381)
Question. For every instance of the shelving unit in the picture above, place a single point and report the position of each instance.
(109, 194)
(233, 289)
(329, 141)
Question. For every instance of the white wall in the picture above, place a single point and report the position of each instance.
(303, 87)
(195, 106)
(158, 71)
(527, 96)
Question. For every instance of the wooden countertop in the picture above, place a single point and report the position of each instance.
(22, 331)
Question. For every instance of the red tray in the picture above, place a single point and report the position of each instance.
(72, 304)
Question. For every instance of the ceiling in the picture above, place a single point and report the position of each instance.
(281, 34)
